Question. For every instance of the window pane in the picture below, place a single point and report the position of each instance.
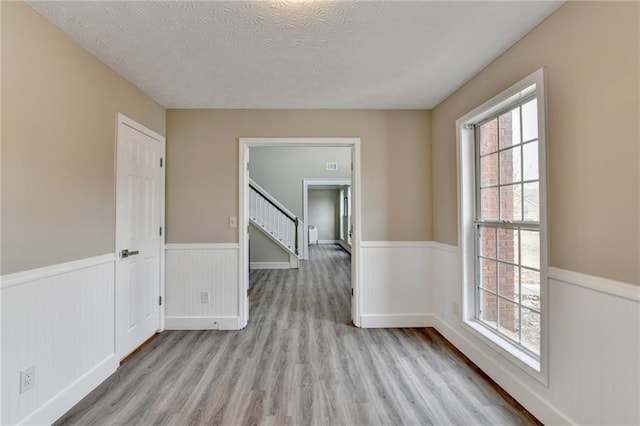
(530, 120)
(511, 202)
(488, 308)
(509, 319)
(530, 153)
(508, 281)
(508, 245)
(489, 137)
(530, 248)
(509, 124)
(531, 202)
(489, 204)
(488, 274)
(487, 242)
(531, 330)
(530, 287)
(510, 166)
(489, 170)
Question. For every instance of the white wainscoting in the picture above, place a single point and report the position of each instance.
(594, 346)
(195, 268)
(396, 284)
(59, 319)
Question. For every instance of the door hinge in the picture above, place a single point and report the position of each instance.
(161, 162)
(352, 291)
(247, 165)
(160, 300)
(161, 231)
(247, 292)
(352, 165)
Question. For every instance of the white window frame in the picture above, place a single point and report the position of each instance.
(465, 134)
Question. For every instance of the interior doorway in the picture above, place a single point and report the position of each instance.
(344, 222)
(244, 216)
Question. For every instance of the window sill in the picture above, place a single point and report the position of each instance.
(508, 350)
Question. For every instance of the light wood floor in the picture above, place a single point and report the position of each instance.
(299, 362)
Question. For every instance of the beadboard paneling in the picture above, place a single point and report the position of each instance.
(192, 269)
(59, 319)
(396, 285)
(594, 346)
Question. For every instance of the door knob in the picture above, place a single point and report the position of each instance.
(126, 253)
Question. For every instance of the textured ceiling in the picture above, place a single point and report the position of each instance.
(296, 54)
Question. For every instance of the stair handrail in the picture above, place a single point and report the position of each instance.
(272, 200)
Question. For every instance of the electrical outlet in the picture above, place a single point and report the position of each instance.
(27, 379)
(454, 308)
(233, 221)
(204, 297)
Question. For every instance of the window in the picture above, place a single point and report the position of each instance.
(507, 225)
(503, 222)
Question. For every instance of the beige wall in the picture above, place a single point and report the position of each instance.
(202, 167)
(324, 212)
(59, 106)
(590, 52)
(281, 170)
(263, 249)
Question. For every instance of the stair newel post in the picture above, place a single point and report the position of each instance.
(296, 241)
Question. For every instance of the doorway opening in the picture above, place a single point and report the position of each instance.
(296, 235)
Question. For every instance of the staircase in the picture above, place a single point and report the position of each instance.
(275, 220)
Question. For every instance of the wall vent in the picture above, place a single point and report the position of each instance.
(332, 166)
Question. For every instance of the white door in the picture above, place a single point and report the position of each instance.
(139, 217)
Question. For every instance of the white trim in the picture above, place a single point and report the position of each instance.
(19, 278)
(270, 265)
(57, 406)
(466, 212)
(203, 323)
(306, 183)
(274, 238)
(328, 241)
(345, 246)
(121, 118)
(444, 247)
(396, 244)
(545, 412)
(202, 246)
(397, 320)
(601, 285)
(243, 216)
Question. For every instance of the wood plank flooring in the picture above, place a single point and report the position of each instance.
(299, 362)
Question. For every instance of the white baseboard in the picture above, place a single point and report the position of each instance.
(345, 246)
(202, 323)
(544, 411)
(397, 320)
(72, 394)
(270, 265)
(327, 241)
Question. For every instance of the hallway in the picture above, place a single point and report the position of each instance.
(298, 362)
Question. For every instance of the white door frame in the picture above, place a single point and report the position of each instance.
(243, 180)
(122, 119)
(306, 183)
